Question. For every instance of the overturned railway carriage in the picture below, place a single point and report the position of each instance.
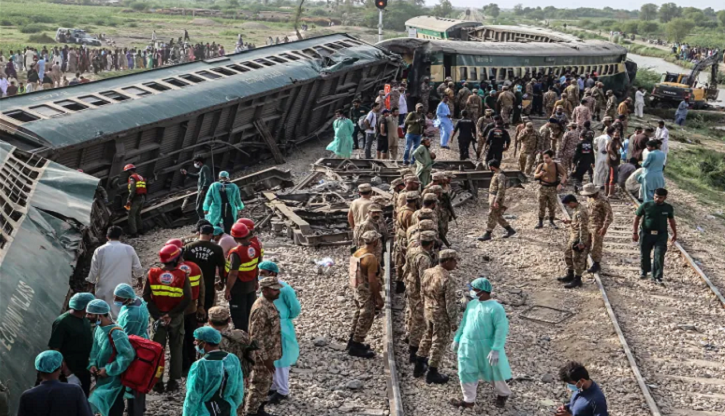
(236, 110)
(508, 61)
(49, 225)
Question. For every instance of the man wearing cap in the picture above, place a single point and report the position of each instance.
(423, 161)
(466, 131)
(581, 114)
(654, 217)
(161, 292)
(441, 313)
(528, 139)
(415, 126)
(600, 218)
(419, 259)
(136, 198)
(611, 106)
(496, 202)
(443, 209)
(473, 105)
(506, 102)
(51, 397)
(479, 344)
(424, 94)
(112, 264)
(223, 202)
(551, 177)
(265, 329)
(242, 271)
(134, 320)
(371, 223)
(234, 341)
(565, 104)
(359, 208)
(289, 308)
(572, 93)
(549, 100)
(365, 281)
(108, 340)
(210, 259)
(600, 100)
(412, 184)
(357, 111)
(497, 141)
(71, 336)
(413, 235)
(577, 248)
(391, 128)
(204, 181)
(441, 89)
(463, 95)
(215, 385)
(403, 221)
(565, 152)
(396, 186)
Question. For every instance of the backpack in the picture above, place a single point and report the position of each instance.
(147, 366)
(356, 277)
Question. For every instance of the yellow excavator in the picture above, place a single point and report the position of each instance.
(674, 87)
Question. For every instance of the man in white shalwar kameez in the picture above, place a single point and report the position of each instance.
(601, 169)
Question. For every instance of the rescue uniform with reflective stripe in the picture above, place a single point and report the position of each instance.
(140, 184)
(193, 273)
(258, 244)
(249, 260)
(167, 287)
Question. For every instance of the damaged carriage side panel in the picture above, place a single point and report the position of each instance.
(47, 219)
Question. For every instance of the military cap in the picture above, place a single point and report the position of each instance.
(270, 282)
(412, 195)
(395, 182)
(364, 187)
(488, 111)
(529, 124)
(439, 175)
(435, 188)
(369, 236)
(374, 208)
(425, 213)
(430, 197)
(607, 118)
(426, 225)
(428, 235)
(413, 179)
(610, 92)
(219, 313)
(589, 189)
(572, 124)
(419, 105)
(380, 200)
(447, 254)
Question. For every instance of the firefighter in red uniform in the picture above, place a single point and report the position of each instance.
(195, 312)
(136, 198)
(241, 285)
(168, 293)
(254, 241)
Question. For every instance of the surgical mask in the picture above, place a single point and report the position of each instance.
(200, 350)
(473, 294)
(98, 322)
(197, 165)
(572, 387)
(118, 303)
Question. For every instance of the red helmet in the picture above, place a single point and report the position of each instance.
(246, 221)
(129, 167)
(175, 242)
(239, 230)
(169, 253)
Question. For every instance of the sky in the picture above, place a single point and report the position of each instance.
(615, 4)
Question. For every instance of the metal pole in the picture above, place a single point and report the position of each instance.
(380, 25)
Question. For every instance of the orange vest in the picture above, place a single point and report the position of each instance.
(258, 244)
(193, 273)
(249, 256)
(140, 184)
(167, 287)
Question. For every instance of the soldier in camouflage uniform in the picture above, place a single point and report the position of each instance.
(367, 295)
(234, 341)
(549, 100)
(441, 89)
(444, 209)
(600, 101)
(371, 223)
(589, 101)
(473, 105)
(506, 101)
(600, 218)
(572, 93)
(418, 261)
(451, 93)
(463, 95)
(441, 314)
(265, 330)
(481, 130)
(565, 152)
(577, 248)
(402, 222)
(425, 93)
(413, 237)
(496, 201)
(426, 213)
(412, 183)
(611, 107)
(529, 140)
(565, 104)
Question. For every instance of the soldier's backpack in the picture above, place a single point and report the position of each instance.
(147, 366)
(356, 277)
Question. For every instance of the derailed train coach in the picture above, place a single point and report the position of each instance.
(50, 222)
(235, 110)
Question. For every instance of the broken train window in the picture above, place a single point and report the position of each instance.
(19, 174)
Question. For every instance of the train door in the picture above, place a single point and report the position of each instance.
(448, 64)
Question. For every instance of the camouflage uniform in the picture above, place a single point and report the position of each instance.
(481, 124)
(451, 98)
(548, 195)
(578, 233)
(611, 110)
(425, 214)
(425, 95)
(413, 233)
(441, 311)
(581, 115)
(473, 106)
(237, 342)
(403, 221)
(600, 215)
(572, 94)
(265, 330)
(566, 151)
(463, 95)
(362, 320)
(529, 140)
(566, 105)
(556, 131)
(496, 193)
(417, 262)
(549, 100)
(506, 100)
(590, 102)
(368, 225)
(600, 102)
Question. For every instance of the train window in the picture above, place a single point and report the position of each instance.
(47, 111)
(116, 96)
(93, 100)
(510, 74)
(238, 68)
(474, 73)
(139, 92)
(289, 57)
(264, 62)
(209, 75)
(71, 105)
(494, 74)
(311, 53)
(462, 73)
(224, 71)
(156, 86)
(301, 54)
(175, 82)
(20, 115)
(333, 46)
(276, 59)
(192, 78)
(251, 65)
(343, 44)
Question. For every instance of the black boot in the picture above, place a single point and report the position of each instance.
(262, 412)
(433, 376)
(574, 283)
(485, 237)
(552, 224)
(420, 367)
(500, 401)
(413, 357)
(595, 267)
(350, 342)
(568, 278)
(541, 224)
(357, 349)
(399, 287)
(276, 398)
(509, 232)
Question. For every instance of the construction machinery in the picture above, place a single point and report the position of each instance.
(674, 87)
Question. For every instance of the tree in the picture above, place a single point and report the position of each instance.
(631, 26)
(519, 9)
(721, 17)
(443, 9)
(677, 29)
(647, 28)
(669, 11)
(492, 10)
(648, 12)
(696, 16)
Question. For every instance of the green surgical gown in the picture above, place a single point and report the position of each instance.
(205, 379)
(134, 318)
(213, 202)
(289, 309)
(108, 388)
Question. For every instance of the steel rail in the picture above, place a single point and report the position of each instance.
(395, 398)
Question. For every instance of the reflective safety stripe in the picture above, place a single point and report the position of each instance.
(244, 267)
(167, 294)
(163, 290)
(140, 184)
(194, 280)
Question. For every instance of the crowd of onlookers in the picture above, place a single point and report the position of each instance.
(685, 52)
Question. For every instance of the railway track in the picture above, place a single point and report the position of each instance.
(673, 336)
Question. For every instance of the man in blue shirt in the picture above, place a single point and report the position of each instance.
(588, 399)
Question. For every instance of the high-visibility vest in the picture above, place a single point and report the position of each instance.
(193, 273)
(249, 256)
(167, 287)
(255, 242)
(140, 184)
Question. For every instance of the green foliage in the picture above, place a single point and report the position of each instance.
(631, 26)
(647, 78)
(133, 24)
(648, 12)
(492, 10)
(707, 40)
(677, 29)
(32, 28)
(443, 9)
(139, 6)
(5, 22)
(721, 17)
(648, 28)
(395, 17)
(669, 11)
(40, 38)
(701, 167)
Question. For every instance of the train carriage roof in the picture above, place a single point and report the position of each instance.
(438, 24)
(533, 30)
